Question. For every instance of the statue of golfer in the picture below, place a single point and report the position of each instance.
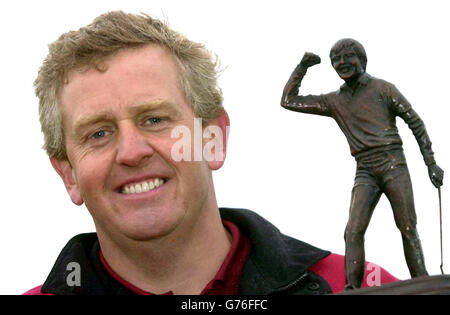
(365, 108)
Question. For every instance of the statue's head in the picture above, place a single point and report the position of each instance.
(348, 58)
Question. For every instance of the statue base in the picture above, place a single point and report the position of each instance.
(427, 285)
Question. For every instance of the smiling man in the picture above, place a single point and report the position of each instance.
(119, 164)
(365, 109)
(112, 96)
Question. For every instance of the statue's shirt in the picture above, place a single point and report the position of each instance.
(367, 114)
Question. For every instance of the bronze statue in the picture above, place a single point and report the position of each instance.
(365, 109)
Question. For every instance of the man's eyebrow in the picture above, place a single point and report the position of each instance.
(86, 121)
(156, 105)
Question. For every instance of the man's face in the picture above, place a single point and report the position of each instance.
(346, 63)
(118, 128)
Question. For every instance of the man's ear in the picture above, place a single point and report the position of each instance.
(215, 136)
(65, 171)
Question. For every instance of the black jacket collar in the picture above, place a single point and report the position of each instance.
(276, 261)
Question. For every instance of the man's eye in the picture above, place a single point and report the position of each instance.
(153, 121)
(99, 134)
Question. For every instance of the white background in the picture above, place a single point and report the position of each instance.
(294, 169)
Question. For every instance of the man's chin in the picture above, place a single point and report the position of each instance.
(148, 228)
(145, 233)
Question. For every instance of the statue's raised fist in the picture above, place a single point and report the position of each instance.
(309, 59)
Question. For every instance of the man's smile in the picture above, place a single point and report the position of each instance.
(141, 187)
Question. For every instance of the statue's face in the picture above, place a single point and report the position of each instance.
(346, 63)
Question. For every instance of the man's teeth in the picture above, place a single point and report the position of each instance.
(142, 186)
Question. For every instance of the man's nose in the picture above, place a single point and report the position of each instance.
(134, 147)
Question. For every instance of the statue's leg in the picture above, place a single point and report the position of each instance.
(400, 194)
(365, 197)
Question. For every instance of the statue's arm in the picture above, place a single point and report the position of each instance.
(306, 104)
(417, 126)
